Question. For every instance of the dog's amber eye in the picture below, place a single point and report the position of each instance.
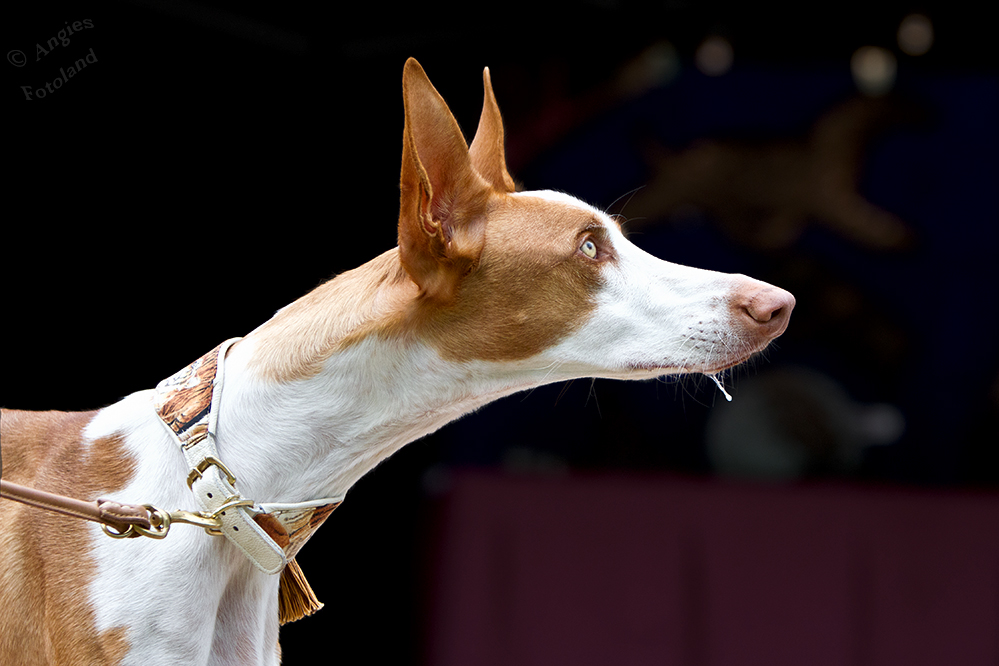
(589, 248)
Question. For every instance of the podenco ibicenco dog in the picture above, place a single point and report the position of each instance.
(490, 291)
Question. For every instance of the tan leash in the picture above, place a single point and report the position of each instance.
(122, 518)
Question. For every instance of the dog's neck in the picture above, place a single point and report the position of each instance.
(334, 384)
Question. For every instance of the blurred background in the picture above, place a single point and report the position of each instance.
(213, 161)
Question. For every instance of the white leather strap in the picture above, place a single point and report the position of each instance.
(213, 488)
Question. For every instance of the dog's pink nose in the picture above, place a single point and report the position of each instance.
(769, 308)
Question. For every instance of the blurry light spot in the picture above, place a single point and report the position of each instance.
(656, 66)
(714, 56)
(662, 62)
(874, 70)
(915, 35)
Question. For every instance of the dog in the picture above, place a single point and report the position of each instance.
(490, 291)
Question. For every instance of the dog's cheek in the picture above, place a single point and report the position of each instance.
(510, 315)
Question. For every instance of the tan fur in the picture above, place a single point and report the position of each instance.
(487, 152)
(46, 569)
(443, 198)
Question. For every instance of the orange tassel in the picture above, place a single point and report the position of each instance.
(296, 598)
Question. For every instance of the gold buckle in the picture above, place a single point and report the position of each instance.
(230, 503)
(205, 464)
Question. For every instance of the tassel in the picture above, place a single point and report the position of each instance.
(296, 598)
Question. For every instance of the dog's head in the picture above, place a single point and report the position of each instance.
(512, 276)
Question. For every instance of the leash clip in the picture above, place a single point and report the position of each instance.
(160, 521)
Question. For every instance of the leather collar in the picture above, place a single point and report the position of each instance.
(269, 534)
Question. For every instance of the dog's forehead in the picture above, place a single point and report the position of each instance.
(547, 215)
(560, 200)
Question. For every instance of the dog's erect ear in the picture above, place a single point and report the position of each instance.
(443, 198)
(487, 153)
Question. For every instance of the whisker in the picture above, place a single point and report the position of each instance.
(552, 367)
(631, 194)
(593, 393)
(565, 388)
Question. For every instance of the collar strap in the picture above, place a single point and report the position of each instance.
(268, 534)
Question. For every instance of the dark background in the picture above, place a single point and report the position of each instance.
(218, 160)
